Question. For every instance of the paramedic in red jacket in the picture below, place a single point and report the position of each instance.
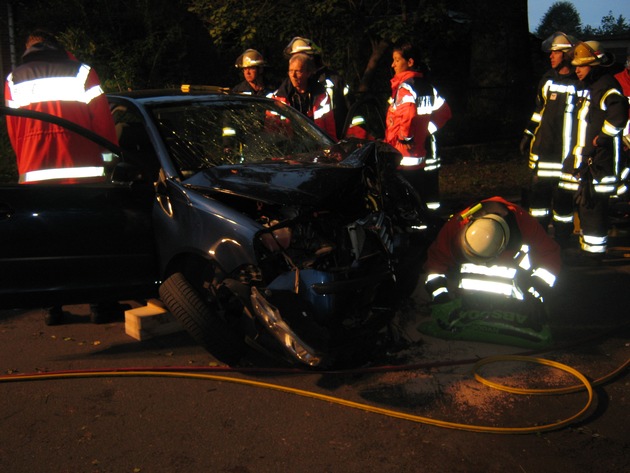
(51, 80)
(494, 250)
(416, 112)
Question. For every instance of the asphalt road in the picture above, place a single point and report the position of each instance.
(154, 422)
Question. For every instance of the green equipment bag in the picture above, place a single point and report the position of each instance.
(492, 325)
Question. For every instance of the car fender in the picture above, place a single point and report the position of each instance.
(201, 227)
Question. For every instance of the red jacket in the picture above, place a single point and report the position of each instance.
(444, 254)
(53, 82)
(317, 104)
(415, 104)
(623, 78)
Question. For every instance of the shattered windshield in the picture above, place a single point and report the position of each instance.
(204, 134)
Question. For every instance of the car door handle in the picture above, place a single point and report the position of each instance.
(6, 210)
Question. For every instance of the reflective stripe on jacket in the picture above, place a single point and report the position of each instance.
(415, 113)
(541, 257)
(552, 123)
(601, 118)
(316, 104)
(52, 82)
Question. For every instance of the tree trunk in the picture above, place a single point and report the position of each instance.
(378, 49)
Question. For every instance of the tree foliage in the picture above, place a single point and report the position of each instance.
(610, 25)
(350, 33)
(477, 54)
(131, 43)
(561, 16)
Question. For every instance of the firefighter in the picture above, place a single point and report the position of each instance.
(252, 65)
(51, 80)
(550, 137)
(416, 112)
(332, 81)
(493, 256)
(307, 95)
(595, 170)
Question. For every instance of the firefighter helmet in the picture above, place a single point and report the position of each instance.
(559, 41)
(302, 45)
(484, 238)
(590, 53)
(250, 58)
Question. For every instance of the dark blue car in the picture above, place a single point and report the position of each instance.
(251, 224)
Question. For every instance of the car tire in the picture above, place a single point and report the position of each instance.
(202, 324)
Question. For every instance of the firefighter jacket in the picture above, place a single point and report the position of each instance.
(623, 78)
(316, 103)
(337, 89)
(245, 88)
(528, 265)
(552, 123)
(415, 113)
(597, 159)
(52, 81)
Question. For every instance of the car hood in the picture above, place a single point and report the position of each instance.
(307, 184)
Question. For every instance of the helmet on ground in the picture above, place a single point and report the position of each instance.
(301, 45)
(484, 238)
(250, 58)
(590, 53)
(559, 41)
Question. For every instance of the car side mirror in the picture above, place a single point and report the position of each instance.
(126, 174)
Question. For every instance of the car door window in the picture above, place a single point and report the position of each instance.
(135, 142)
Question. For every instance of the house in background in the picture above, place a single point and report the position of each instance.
(618, 44)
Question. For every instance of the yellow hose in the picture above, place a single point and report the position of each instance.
(584, 385)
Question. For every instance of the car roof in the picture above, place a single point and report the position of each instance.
(185, 92)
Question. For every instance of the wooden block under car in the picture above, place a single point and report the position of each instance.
(152, 320)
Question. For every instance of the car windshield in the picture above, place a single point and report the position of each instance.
(204, 134)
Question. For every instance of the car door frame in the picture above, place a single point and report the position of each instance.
(76, 243)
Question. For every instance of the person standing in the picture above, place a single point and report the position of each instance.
(335, 85)
(416, 112)
(307, 95)
(252, 65)
(595, 167)
(550, 138)
(51, 80)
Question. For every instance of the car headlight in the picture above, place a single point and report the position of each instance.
(272, 319)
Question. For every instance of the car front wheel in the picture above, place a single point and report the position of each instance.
(202, 323)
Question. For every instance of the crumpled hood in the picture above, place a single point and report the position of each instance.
(335, 185)
(306, 184)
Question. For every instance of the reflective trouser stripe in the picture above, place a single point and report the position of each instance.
(593, 244)
(62, 173)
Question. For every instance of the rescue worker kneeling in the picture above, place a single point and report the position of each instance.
(495, 264)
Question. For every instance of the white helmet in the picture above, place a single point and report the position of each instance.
(250, 58)
(559, 41)
(484, 238)
(301, 45)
